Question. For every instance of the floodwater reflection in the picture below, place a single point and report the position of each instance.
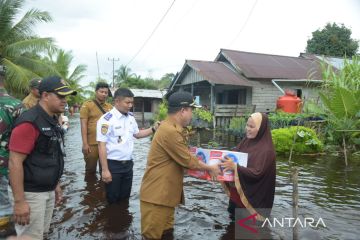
(326, 187)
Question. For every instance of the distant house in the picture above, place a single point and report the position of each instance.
(146, 103)
(336, 62)
(238, 82)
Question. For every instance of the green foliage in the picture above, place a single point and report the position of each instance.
(283, 119)
(341, 94)
(126, 78)
(61, 61)
(341, 102)
(334, 133)
(332, 40)
(20, 46)
(213, 144)
(237, 126)
(348, 77)
(137, 82)
(123, 74)
(313, 108)
(165, 80)
(162, 111)
(203, 115)
(306, 140)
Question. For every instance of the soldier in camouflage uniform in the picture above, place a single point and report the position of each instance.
(10, 109)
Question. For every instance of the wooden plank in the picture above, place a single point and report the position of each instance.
(230, 114)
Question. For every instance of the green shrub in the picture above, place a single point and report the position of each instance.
(202, 114)
(283, 119)
(306, 140)
(237, 126)
(162, 111)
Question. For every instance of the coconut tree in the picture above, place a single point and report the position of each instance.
(61, 62)
(123, 74)
(20, 47)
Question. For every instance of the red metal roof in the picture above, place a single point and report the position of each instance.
(218, 73)
(256, 65)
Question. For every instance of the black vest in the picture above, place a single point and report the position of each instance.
(44, 166)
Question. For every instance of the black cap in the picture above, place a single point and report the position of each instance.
(182, 99)
(57, 85)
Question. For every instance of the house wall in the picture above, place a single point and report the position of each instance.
(265, 94)
(203, 90)
(204, 94)
(148, 116)
(192, 77)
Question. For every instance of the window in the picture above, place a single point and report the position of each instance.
(220, 98)
(242, 96)
(299, 93)
(233, 97)
(237, 96)
(138, 104)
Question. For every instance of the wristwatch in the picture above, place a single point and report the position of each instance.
(153, 129)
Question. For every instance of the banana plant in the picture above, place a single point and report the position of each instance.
(343, 109)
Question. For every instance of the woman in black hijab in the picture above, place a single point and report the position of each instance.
(254, 185)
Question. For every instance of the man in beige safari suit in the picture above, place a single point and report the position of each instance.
(162, 185)
(90, 113)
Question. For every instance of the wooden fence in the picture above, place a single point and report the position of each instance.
(224, 112)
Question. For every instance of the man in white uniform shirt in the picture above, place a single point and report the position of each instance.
(115, 134)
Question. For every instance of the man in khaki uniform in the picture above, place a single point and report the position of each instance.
(162, 185)
(33, 97)
(90, 113)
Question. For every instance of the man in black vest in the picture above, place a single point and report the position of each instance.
(36, 160)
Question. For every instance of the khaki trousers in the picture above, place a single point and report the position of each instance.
(41, 211)
(155, 219)
(91, 159)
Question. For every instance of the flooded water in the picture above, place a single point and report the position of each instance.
(326, 188)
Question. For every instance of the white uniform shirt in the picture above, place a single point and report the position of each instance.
(117, 130)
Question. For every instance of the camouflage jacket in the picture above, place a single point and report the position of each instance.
(10, 109)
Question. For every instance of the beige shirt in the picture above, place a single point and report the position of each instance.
(169, 155)
(92, 113)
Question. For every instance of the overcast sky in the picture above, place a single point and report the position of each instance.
(192, 29)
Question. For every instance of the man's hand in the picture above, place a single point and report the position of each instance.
(58, 195)
(106, 176)
(86, 149)
(214, 171)
(157, 125)
(21, 212)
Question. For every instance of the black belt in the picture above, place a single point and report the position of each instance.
(121, 161)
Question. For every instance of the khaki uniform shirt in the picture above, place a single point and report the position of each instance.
(92, 113)
(30, 101)
(169, 155)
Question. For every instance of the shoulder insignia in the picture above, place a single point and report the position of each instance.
(108, 116)
(104, 129)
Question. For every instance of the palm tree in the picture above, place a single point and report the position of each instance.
(62, 64)
(123, 74)
(20, 46)
(61, 61)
